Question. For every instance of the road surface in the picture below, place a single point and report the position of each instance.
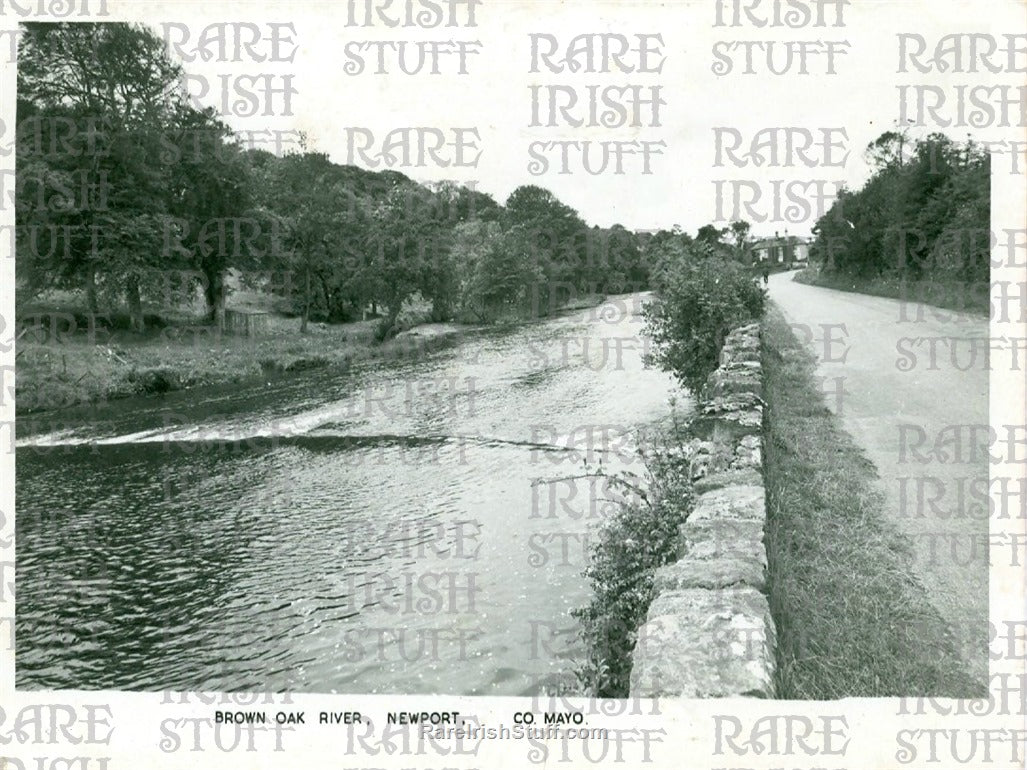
(911, 387)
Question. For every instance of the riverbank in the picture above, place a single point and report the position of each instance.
(950, 295)
(75, 370)
(77, 367)
(852, 620)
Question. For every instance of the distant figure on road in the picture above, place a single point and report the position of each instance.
(766, 276)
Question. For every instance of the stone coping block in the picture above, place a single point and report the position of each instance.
(730, 426)
(729, 478)
(734, 356)
(746, 457)
(727, 571)
(711, 539)
(753, 327)
(746, 502)
(751, 442)
(722, 383)
(699, 643)
(747, 367)
(735, 402)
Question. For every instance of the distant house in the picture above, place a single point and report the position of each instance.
(781, 250)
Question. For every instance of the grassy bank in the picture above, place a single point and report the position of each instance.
(75, 369)
(60, 363)
(950, 295)
(851, 618)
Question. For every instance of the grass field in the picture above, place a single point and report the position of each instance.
(69, 369)
(851, 618)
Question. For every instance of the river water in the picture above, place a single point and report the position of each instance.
(382, 530)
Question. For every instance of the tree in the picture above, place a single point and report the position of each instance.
(711, 235)
(923, 213)
(615, 261)
(498, 273)
(556, 238)
(56, 195)
(210, 196)
(699, 300)
(409, 244)
(740, 234)
(309, 209)
(887, 150)
(115, 86)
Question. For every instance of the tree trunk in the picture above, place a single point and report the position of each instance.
(329, 300)
(135, 305)
(392, 317)
(215, 295)
(441, 310)
(306, 304)
(91, 301)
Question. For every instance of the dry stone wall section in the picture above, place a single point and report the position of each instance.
(709, 633)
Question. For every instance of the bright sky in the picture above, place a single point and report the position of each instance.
(494, 98)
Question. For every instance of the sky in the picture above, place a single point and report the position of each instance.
(340, 109)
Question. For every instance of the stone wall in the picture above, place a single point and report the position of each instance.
(709, 633)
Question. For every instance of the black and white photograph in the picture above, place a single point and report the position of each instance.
(497, 384)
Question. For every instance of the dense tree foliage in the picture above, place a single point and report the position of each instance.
(923, 214)
(122, 181)
(94, 103)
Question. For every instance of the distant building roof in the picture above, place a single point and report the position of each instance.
(780, 240)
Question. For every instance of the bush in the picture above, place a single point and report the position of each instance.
(638, 538)
(383, 330)
(699, 300)
(154, 381)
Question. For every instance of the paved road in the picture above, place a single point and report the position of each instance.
(891, 380)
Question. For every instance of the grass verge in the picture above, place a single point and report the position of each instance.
(852, 620)
(961, 296)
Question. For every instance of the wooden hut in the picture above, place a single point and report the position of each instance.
(246, 323)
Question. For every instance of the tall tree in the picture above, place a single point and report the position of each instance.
(409, 246)
(557, 237)
(922, 214)
(210, 195)
(117, 77)
(497, 272)
(310, 209)
(740, 234)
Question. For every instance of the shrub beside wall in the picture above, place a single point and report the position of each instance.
(697, 304)
(638, 538)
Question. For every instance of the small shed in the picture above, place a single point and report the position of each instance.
(246, 323)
